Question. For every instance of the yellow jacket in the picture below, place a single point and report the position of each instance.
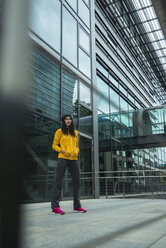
(66, 142)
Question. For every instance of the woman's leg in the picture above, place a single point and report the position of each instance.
(57, 185)
(75, 174)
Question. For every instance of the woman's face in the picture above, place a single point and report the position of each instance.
(68, 121)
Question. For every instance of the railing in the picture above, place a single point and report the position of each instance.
(129, 183)
(133, 183)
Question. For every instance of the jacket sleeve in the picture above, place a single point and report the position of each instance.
(56, 141)
(77, 142)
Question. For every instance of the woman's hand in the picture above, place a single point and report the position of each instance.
(63, 151)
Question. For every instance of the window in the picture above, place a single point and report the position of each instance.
(44, 95)
(84, 40)
(45, 21)
(84, 63)
(102, 69)
(85, 94)
(103, 97)
(69, 37)
(69, 93)
(83, 12)
(73, 4)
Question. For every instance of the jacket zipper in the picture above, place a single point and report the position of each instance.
(71, 146)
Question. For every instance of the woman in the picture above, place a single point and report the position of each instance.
(66, 143)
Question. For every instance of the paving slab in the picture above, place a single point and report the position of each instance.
(135, 223)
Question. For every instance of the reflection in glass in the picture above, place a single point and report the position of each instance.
(103, 97)
(113, 80)
(83, 12)
(125, 131)
(85, 94)
(102, 69)
(85, 145)
(44, 94)
(84, 63)
(75, 104)
(122, 90)
(69, 37)
(69, 93)
(115, 114)
(104, 126)
(85, 120)
(45, 21)
(40, 159)
(84, 40)
(114, 102)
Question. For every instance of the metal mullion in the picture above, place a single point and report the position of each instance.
(61, 72)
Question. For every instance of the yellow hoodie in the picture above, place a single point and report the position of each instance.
(66, 142)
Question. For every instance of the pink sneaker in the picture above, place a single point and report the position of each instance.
(57, 210)
(81, 210)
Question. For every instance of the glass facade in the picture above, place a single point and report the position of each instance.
(90, 76)
(69, 46)
(45, 21)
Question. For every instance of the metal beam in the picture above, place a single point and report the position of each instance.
(152, 31)
(141, 23)
(150, 42)
(157, 65)
(134, 11)
(163, 48)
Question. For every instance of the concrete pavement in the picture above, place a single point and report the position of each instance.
(115, 223)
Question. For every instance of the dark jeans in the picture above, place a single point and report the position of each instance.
(57, 185)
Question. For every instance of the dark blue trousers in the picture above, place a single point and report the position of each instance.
(57, 185)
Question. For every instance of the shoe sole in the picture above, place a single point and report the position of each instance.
(58, 213)
(75, 211)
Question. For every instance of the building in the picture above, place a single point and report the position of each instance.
(100, 61)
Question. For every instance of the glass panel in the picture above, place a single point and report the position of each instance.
(69, 37)
(83, 12)
(102, 69)
(125, 131)
(115, 114)
(84, 63)
(85, 145)
(103, 97)
(73, 4)
(85, 94)
(113, 81)
(87, 2)
(44, 94)
(40, 159)
(114, 102)
(122, 90)
(45, 21)
(69, 94)
(75, 105)
(85, 120)
(104, 126)
(84, 40)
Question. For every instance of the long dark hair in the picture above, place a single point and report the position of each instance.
(65, 129)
